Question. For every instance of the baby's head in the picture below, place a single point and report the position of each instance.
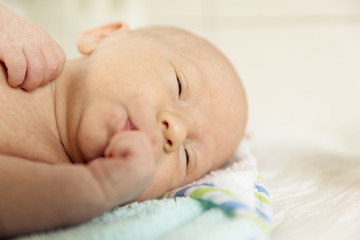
(175, 87)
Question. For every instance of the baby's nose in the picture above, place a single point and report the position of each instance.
(174, 130)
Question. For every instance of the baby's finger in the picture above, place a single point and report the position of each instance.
(35, 68)
(61, 57)
(16, 65)
(51, 63)
(118, 147)
(124, 145)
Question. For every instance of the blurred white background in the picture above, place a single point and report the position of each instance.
(299, 59)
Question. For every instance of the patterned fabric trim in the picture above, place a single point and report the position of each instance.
(230, 202)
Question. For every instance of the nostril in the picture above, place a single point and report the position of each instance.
(169, 142)
(166, 124)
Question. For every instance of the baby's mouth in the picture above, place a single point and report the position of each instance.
(129, 126)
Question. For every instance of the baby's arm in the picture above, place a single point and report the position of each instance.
(38, 196)
(31, 56)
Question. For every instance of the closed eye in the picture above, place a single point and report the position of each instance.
(187, 157)
(179, 85)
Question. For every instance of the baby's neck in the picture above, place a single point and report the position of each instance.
(67, 92)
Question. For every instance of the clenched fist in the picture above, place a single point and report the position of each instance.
(127, 168)
(31, 56)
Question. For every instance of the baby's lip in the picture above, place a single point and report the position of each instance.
(129, 125)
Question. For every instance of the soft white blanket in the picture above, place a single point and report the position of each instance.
(314, 179)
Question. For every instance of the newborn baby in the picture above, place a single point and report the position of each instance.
(140, 113)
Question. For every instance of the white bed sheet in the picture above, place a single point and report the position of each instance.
(314, 182)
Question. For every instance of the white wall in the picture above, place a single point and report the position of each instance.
(299, 60)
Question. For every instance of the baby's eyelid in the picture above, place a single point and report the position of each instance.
(187, 156)
(191, 158)
(179, 84)
(182, 81)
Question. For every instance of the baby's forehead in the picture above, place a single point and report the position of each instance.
(199, 53)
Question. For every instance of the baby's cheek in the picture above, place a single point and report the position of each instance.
(91, 140)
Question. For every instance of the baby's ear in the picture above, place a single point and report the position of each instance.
(88, 40)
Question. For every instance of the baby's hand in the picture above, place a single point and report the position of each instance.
(127, 169)
(31, 56)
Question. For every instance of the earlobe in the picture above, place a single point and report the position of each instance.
(88, 40)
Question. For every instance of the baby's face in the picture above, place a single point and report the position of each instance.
(178, 90)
